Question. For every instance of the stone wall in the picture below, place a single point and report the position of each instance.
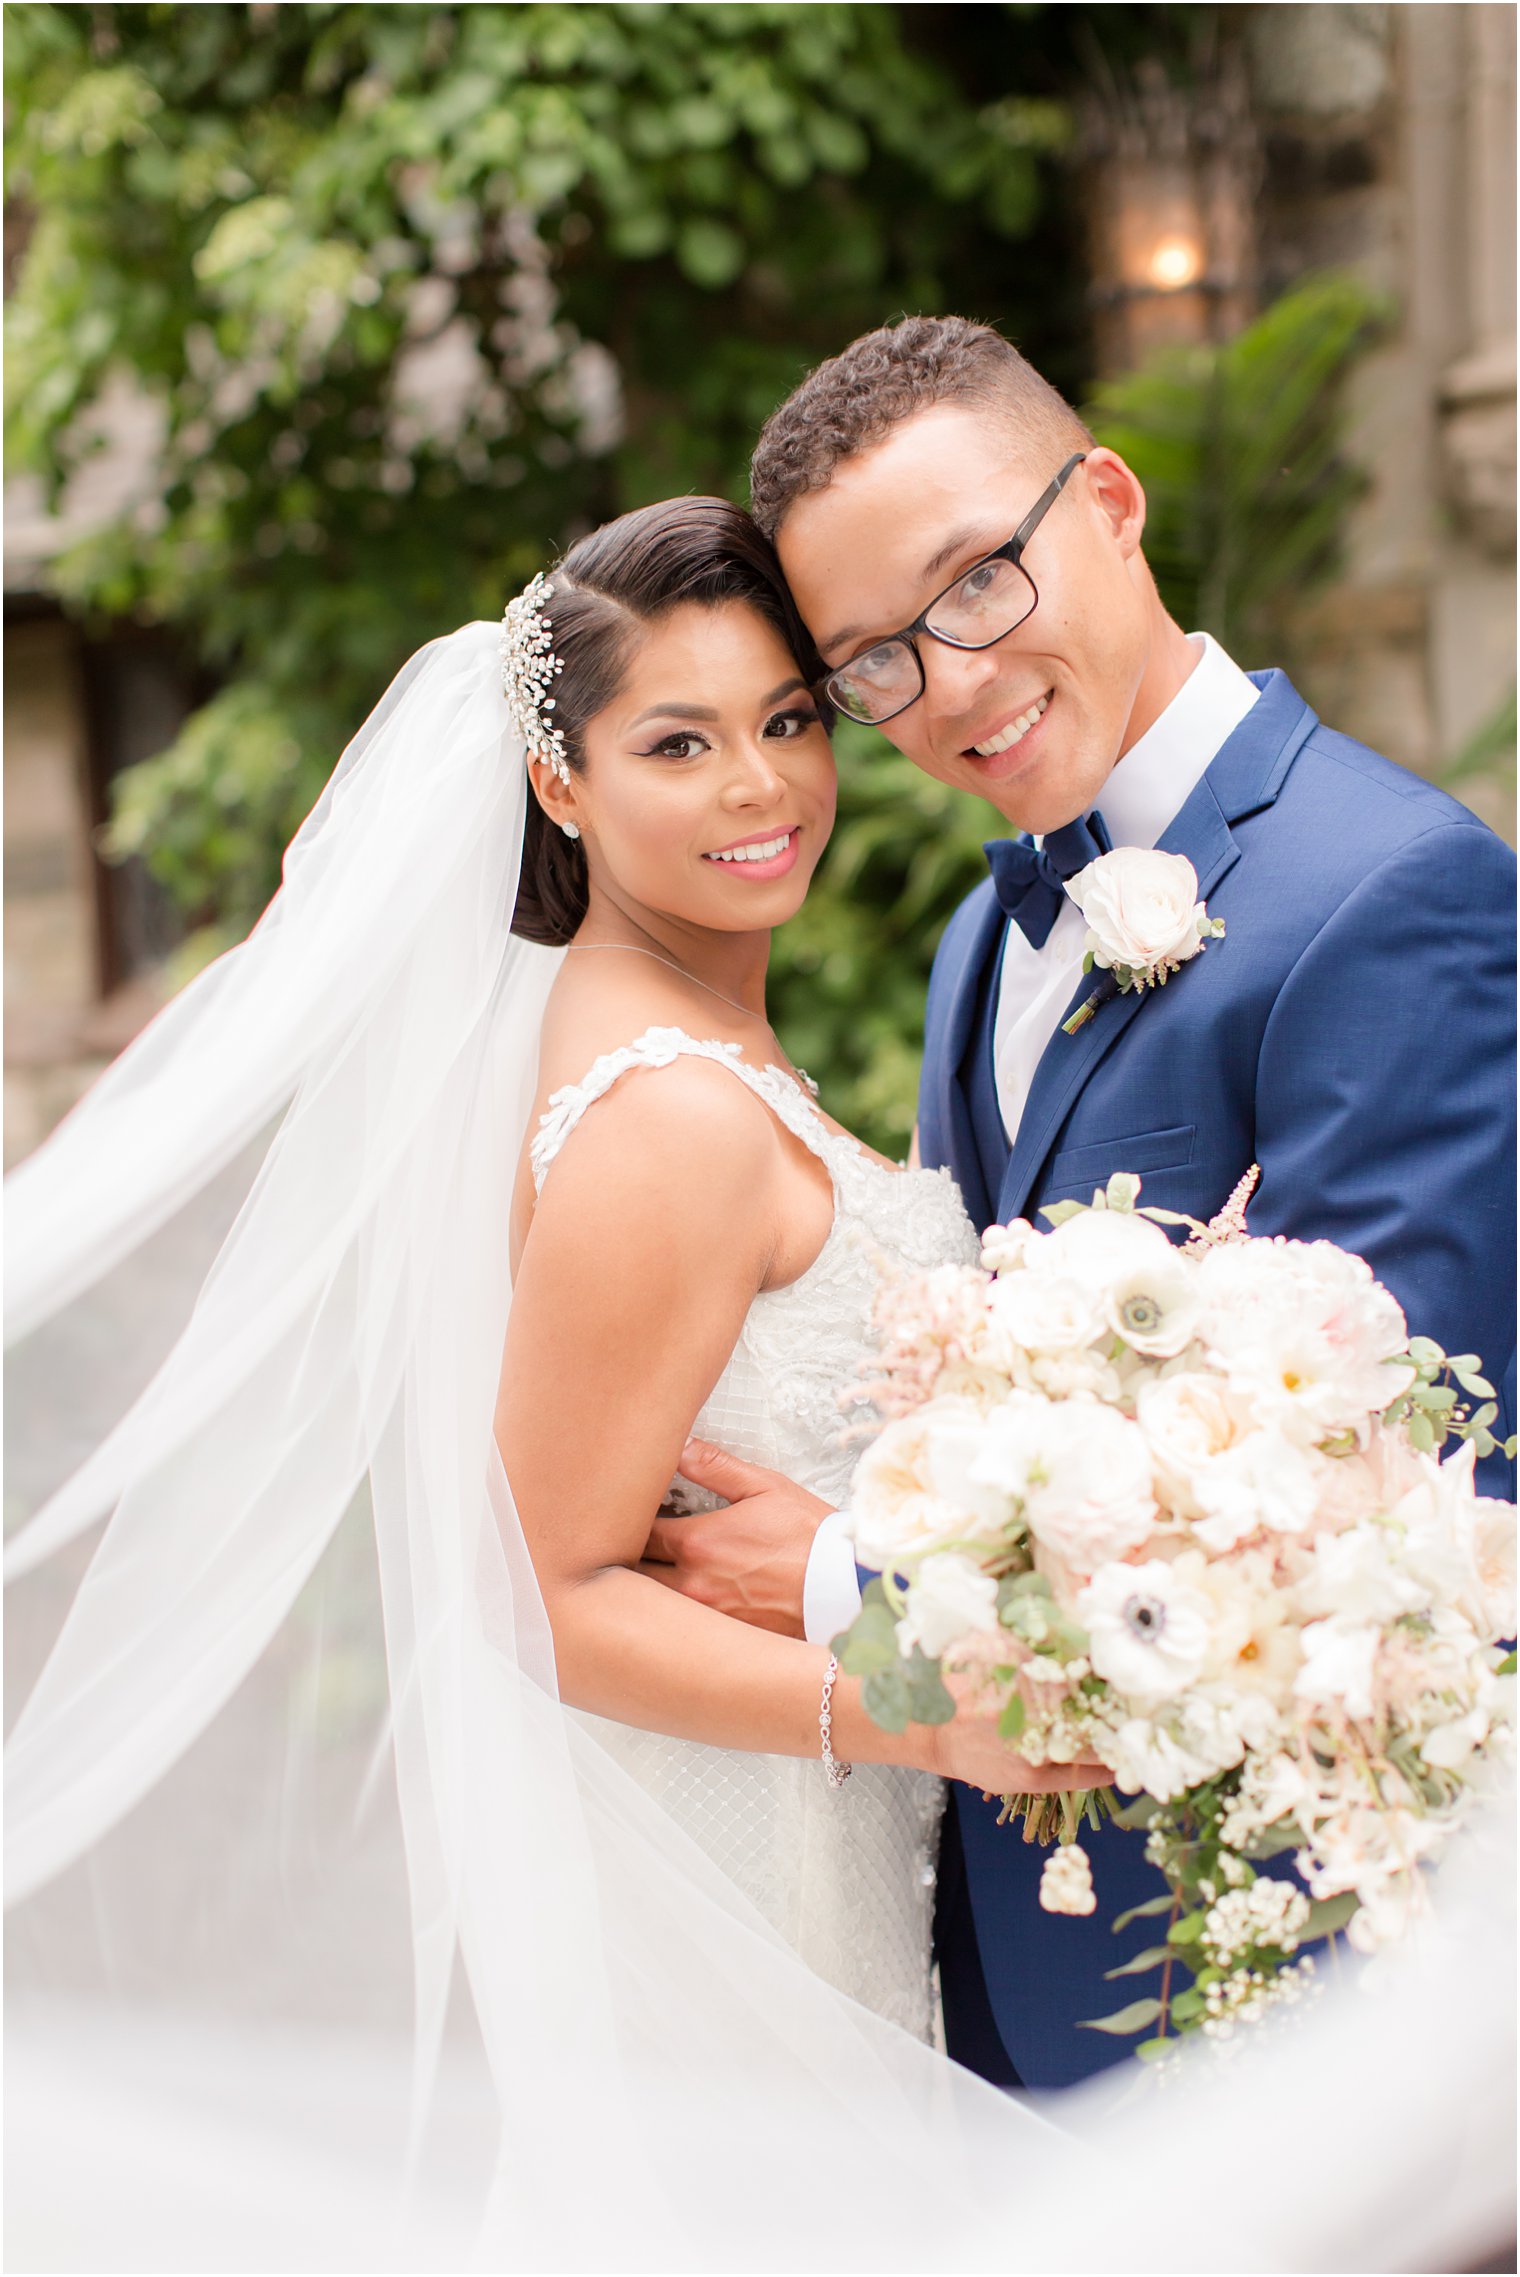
(1389, 139)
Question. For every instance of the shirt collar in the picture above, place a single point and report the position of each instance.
(1150, 784)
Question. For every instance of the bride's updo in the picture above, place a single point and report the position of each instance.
(609, 586)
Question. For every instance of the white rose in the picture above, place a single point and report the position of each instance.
(1099, 1249)
(948, 1599)
(1338, 1664)
(1304, 1331)
(1040, 1312)
(1262, 1483)
(955, 1434)
(1148, 1628)
(1188, 1419)
(899, 1505)
(1082, 1472)
(1141, 906)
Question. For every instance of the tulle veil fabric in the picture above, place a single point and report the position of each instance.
(293, 1800)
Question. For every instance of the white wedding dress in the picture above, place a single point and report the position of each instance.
(847, 1877)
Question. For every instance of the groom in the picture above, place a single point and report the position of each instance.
(1352, 1033)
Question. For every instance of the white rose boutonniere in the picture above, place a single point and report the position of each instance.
(1144, 919)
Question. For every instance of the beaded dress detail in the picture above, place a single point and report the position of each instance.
(846, 1877)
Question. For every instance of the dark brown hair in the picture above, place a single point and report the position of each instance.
(855, 399)
(627, 575)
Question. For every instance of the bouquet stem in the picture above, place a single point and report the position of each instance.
(1058, 1818)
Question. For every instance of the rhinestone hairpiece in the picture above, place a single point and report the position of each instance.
(528, 667)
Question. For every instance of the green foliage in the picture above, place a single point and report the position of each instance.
(1133, 2018)
(895, 1691)
(643, 223)
(1431, 1411)
(908, 1691)
(1239, 447)
(1489, 750)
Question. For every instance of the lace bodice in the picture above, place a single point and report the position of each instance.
(778, 1401)
(847, 1877)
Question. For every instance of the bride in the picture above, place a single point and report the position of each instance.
(695, 1246)
(628, 1814)
(447, 1206)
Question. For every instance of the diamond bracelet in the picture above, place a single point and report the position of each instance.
(833, 1770)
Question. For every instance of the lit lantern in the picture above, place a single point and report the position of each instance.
(1171, 174)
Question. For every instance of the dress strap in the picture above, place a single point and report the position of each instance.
(658, 1047)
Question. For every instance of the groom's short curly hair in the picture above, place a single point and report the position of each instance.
(855, 400)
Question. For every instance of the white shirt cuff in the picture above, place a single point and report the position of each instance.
(830, 1588)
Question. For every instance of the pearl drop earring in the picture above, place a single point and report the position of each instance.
(571, 829)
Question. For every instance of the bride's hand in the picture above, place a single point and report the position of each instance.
(969, 1749)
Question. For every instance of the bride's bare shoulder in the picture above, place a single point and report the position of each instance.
(685, 1119)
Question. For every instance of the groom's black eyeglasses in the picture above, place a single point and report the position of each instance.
(978, 609)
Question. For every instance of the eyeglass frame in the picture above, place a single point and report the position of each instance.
(909, 635)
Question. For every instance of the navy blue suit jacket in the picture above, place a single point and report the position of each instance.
(1354, 1034)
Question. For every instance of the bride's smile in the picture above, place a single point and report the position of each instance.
(707, 793)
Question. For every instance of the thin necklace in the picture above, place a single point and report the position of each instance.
(633, 949)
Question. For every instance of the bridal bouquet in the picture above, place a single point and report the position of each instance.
(1181, 1510)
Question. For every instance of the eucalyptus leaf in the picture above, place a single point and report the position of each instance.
(1152, 1906)
(869, 1643)
(1059, 1212)
(1274, 1840)
(1326, 1915)
(1141, 1813)
(1132, 2019)
(929, 1699)
(1151, 1958)
(886, 1698)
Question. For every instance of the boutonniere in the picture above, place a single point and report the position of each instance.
(1144, 921)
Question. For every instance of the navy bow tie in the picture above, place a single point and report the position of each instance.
(1029, 880)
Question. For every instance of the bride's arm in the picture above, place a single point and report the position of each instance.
(655, 1229)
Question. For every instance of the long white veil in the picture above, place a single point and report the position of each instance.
(324, 1959)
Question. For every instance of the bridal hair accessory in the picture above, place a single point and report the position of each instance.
(834, 1771)
(528, 667)
(1144, 922)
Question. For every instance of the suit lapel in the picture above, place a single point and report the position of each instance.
(1246, 775)
(952, 1139)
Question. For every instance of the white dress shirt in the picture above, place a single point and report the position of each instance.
(1142, 797)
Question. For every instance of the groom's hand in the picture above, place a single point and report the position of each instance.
(749, 1559)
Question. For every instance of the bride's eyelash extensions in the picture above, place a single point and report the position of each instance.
(799, 717)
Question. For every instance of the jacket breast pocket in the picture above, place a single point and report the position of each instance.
(1076, 1169)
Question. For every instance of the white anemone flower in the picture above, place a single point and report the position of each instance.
(1148, 1628)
